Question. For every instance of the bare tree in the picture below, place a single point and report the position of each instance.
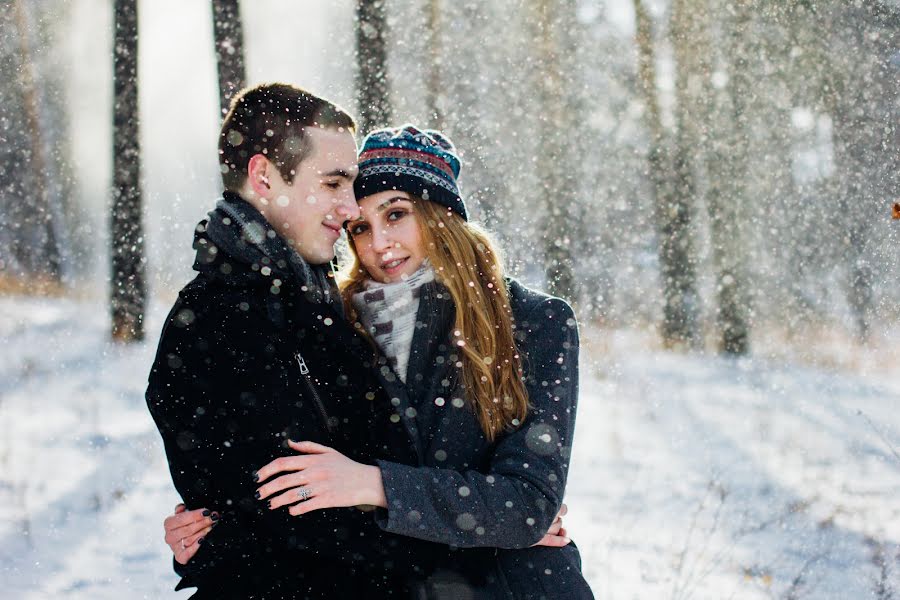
(433, 88)
(228, 33)
(672, 190)
(372, 86)
(558, 197)
(718, 120)
(127, 294)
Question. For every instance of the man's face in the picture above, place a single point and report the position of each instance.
(310, 212)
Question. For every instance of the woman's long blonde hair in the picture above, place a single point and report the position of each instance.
(466, 262)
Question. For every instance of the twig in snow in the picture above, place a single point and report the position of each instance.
(879, 434)
(793, 592)
(883, 589)
(683, 590)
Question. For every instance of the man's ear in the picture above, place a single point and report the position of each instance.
(260, 171)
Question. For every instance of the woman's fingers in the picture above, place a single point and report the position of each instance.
(309, 447)
(284, 464)
(300, 493)
(563, 510)
(563, 532)
(188, 547)
(308, 506)
(181, 519)
(195, 538)
(555, 527)
(553, 541)
(173, 535)
(292, 480)
(185, 548)
(180, 508)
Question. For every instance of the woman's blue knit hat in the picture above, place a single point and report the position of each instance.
(420, 162)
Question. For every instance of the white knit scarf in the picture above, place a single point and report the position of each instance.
(388, 312)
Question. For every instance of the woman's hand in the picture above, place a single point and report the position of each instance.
(186, 529)
(319, 478)
(556, 536)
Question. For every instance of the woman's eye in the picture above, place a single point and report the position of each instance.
(396, 215)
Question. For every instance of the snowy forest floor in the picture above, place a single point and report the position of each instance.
(692, 476)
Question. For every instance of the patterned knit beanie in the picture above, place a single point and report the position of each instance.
(422, 163)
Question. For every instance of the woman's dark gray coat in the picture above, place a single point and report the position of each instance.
(488, 501)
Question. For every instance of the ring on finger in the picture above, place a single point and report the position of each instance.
(304, 493)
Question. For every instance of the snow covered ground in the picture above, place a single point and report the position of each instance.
(692, 477)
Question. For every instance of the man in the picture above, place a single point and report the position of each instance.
(256, 351)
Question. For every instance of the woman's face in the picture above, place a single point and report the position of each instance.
(387, 237)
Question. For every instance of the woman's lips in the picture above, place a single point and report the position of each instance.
(394, 269)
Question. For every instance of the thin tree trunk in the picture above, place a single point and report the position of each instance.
(672, 208)
(729, 249)
(228, 33)
(433, 88)
(372, 86)
(127, 294)
(48, 254)
(722, 119)
(558, 195)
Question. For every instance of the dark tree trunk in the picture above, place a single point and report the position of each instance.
(372, 86)
(671, 190)
(228, 33)
(127, 294)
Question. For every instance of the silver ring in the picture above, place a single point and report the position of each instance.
(304, 493)
(183, 547)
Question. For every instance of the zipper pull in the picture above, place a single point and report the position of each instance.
(304, 370)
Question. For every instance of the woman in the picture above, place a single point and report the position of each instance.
(482, 371)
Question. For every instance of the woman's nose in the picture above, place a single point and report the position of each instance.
(381, 240)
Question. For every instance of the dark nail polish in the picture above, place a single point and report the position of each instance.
(214, 517)
(257, 495)
(206, 513)
(200, 541)
(269, 504)
(255, 476)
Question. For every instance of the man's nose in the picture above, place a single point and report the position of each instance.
(347, 208)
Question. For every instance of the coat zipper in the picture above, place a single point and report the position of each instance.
(304, 370)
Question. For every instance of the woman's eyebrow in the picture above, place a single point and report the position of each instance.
(389, 201)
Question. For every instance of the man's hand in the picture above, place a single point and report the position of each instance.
(556, 536)
(319, 478)
(186, 529)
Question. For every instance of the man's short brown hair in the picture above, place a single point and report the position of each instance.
(271, 119)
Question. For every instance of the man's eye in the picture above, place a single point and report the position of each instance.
(357, 229)
(333, 184)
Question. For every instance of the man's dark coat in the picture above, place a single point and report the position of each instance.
(253, 353)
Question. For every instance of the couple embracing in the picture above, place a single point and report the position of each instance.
(402, 430)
